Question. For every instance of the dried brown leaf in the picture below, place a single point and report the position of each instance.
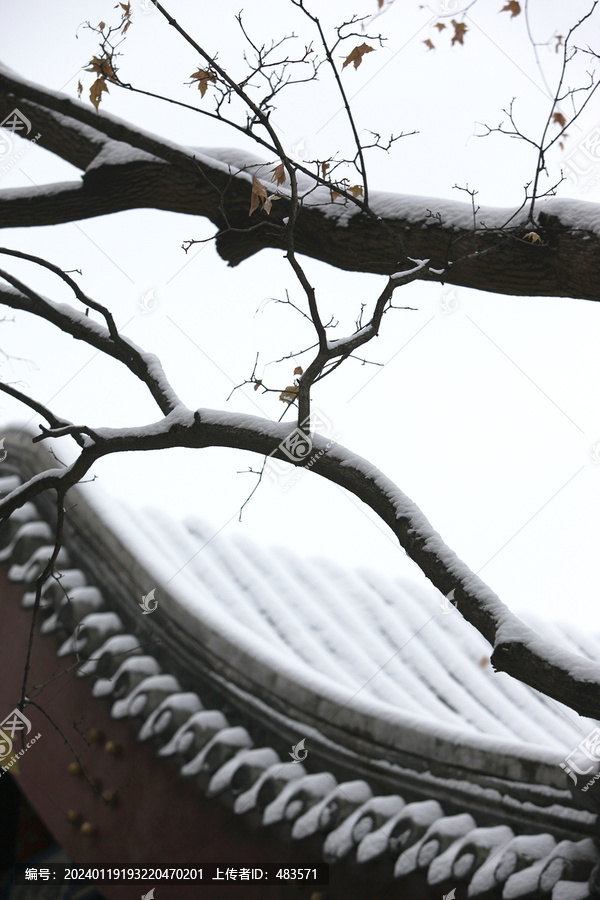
(559, 119)
(356, 56)
(103, 68)
(460, 29)
(259, 192)
(203, 79)
(279, 174)
(289, 395)
(513, 7)
(96, 91)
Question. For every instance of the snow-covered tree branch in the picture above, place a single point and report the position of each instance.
(126, 168)
(271, 200)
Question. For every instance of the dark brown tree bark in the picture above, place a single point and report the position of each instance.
(564, 262)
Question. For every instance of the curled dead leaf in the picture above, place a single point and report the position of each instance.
(203, 78)
(259, 192)
(289, 395)
(559, 119)
(513, 7)
(460, 29)
(102, 67)
(96, 91)
(356, 56)
(279, 174)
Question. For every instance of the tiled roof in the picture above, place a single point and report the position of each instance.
(416, 748)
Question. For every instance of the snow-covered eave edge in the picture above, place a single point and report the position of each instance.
(517, 649)
(281, 678)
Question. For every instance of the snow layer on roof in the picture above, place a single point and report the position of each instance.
(383, 647)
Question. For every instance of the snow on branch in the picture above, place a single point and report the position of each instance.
(80, 326)
(518, 650)
(129, 168)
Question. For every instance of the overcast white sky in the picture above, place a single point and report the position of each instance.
(486, 412)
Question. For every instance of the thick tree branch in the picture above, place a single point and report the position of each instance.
(128, 168)
(518, 650)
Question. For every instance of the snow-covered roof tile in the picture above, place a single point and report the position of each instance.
(394, 665)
